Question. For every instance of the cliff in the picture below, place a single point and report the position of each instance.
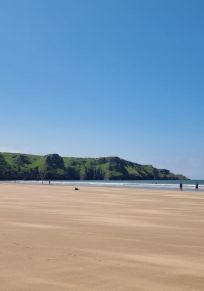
(14, 166)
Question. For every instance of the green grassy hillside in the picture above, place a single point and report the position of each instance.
(14, 166)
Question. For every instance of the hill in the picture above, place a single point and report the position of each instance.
(15, 166)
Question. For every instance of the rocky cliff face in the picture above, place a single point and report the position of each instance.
(33, 167)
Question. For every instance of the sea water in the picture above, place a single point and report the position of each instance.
(146, 184)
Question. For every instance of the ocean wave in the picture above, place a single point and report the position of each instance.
(187, 185)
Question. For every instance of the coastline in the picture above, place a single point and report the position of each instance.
(99, 238)
(188, 185)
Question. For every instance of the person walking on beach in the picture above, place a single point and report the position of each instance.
(181, 187)
(196, 187)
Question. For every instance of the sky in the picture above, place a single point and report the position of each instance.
(104, 78)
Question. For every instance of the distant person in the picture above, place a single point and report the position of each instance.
(196, 186)
(181, 187)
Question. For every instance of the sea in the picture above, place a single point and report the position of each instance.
(145, 184)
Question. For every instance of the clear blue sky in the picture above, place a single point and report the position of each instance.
(109, 77)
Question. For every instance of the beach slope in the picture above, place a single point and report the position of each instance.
(55, 238)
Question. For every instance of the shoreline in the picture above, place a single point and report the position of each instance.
(134, 184)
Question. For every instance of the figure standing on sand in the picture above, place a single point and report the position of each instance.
(196, 187)
(181, 187)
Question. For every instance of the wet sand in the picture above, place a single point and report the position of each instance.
(55, 238)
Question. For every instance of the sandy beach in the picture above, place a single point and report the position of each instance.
(55, 238)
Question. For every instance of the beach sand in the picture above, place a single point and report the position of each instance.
(55, 238)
